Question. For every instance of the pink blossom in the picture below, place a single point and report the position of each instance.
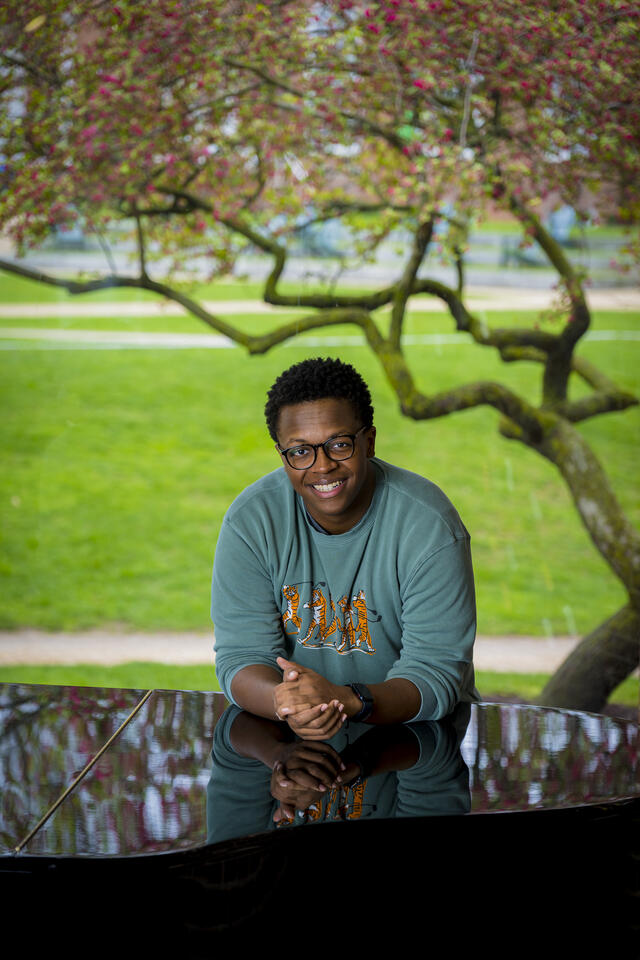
(421, 84)
(448, 134)
(373, 27)
(390, 16)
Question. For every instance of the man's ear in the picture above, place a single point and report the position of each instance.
(371, 442)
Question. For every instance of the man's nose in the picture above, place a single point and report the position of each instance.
(323, 462)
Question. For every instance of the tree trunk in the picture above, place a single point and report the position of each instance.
(598, 664)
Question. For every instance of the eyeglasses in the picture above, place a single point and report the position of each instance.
(304, 455)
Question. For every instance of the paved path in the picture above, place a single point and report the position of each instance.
(502, 654)
(478, 298)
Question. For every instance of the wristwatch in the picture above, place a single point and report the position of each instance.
(364, 696)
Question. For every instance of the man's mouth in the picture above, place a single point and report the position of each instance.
(327, 487)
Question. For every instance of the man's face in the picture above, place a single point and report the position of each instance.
(335, 492)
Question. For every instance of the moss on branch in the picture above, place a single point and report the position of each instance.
(325, 318)
(598, 403)
(531, 421)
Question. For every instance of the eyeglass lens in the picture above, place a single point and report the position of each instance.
(337, 448)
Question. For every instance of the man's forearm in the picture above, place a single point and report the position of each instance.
(394, 701)
(252, 689)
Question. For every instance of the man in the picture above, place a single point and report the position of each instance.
(342, 585)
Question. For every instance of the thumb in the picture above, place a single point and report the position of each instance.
(288, 667)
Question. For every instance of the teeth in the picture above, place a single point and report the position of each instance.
(326, 487)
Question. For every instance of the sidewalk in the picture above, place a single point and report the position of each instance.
(478, 298)
(500, 654)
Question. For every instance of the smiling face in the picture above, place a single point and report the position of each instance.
(335, 492)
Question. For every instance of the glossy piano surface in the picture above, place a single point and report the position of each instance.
(173, 777)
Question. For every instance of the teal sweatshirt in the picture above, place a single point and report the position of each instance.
(392, 597)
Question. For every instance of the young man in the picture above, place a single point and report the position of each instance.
(342, 585)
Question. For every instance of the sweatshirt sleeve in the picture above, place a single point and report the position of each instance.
(247, 624)
(438, 630)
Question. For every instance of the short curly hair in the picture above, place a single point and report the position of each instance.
(318, 379)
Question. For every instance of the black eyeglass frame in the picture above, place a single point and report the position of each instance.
(316, 447)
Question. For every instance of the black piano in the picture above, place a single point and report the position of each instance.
(147, 820)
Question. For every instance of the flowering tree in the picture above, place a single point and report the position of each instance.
(204, 123)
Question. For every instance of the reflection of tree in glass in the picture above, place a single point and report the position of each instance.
(145, 792)
(47, 736)
(522, 758)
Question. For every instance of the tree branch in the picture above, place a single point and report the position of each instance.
(141, 249)
(591, 375)
(597, 403)
(324, 318)
(558, 366)
(254, 344)
(319, 301)
(466, 110)
(596, 502)
(404, 287)
(48, 78)
(501, 338)
(531, 421)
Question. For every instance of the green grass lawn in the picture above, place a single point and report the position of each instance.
(160, 676)
(118, 465)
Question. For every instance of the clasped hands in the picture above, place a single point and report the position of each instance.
(303, 773)
(313, 707)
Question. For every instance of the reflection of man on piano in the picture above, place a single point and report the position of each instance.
(342, 585)
(372, 773)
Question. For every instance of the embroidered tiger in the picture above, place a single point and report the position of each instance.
(318, 630)
(290, 615)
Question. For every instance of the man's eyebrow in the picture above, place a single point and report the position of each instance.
(338, 433)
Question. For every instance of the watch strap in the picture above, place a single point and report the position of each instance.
(364, 696)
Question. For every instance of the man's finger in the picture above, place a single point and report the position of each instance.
(290, 670)
(321, 728)
(304, 713)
